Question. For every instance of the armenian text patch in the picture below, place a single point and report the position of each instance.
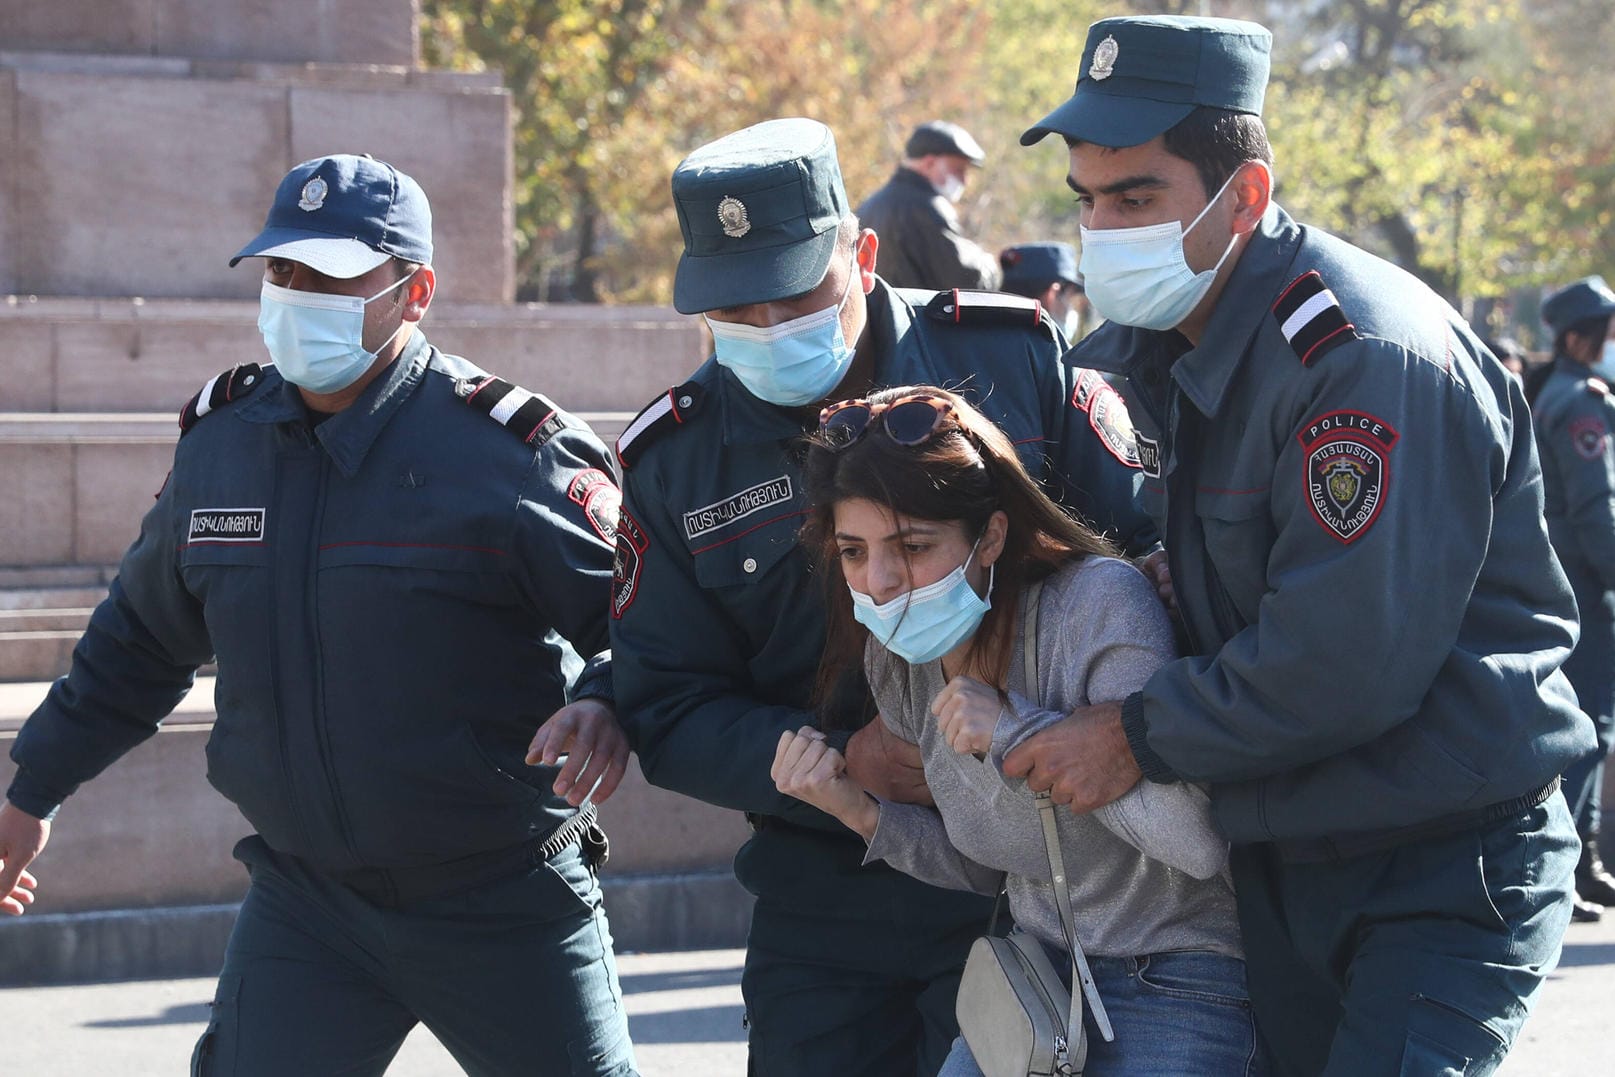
(226, 525)
(775, 491)
(1347, 470)
(1149, 455)
(628, 563)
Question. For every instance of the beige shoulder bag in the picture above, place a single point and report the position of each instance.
(1015, 1013)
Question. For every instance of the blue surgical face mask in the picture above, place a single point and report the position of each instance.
(1605, 367)
(1139, 277)
(926, 623)
(792, 363)
(316, 339)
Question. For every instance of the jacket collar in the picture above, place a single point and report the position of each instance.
(1206, 371)
(348, 435)
(899, 357)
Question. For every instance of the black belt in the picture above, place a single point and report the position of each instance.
(392, 887)
(1346, 846)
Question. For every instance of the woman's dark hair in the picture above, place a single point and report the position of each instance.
(966, 471)
(1595, 328)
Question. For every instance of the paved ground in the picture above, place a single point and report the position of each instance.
(685, 1014)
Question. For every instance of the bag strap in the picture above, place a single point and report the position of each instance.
(1081, 978)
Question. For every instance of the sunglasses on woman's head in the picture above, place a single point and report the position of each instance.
(909, 420)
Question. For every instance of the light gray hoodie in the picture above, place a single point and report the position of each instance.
(1148, 872)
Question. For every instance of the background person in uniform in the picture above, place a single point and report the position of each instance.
(1349, 493)
(718, 622)
(380, 543)
(913, 492)
(1574, 412)
(914, 213)
(1514, 358)
(1047, 272)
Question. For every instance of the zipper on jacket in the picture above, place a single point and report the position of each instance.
(322, 727)
(275, 660)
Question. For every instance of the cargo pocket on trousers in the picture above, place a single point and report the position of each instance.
(1443, 1041)
(215, 1052)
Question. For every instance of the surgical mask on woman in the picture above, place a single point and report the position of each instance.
(1139, 276)
(927, 622)
(317, 339)
(790, 364)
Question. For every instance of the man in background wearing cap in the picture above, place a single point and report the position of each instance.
(1047, 272)
(915, 218)
(1350, 498)
(1574, 412)
(380, 543)
(718, 624)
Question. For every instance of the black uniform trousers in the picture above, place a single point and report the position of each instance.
(854, 973)
(1419, 959)
(513, 977)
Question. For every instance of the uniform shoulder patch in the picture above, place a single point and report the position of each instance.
(1347, 470)
(233, 384)
(599, 497)
(664, 413)
(1589, 436)
(1311, 318)
(960, 306)
(1107, 415)
(533, 417)
(628, 564)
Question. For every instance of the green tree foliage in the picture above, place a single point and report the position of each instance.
(1470, 141)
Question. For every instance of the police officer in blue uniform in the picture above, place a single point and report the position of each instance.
(1570, 399)
(1349, 492)
(1047, 272)
(718, 625)
(388, 550)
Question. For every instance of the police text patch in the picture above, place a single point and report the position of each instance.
(1347, 470)
(600, 498)
(628, 563)
(775, 491)
(226, 525)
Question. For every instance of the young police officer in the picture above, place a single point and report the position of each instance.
(1350, 498)
(1574, 413)
(378, 542)
(718, 626)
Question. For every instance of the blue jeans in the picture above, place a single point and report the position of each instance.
(1185, 1012)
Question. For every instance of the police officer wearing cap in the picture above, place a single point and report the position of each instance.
(718, 625)
(1574, 412)
(914, 214)
(1047, 272)
(1349, 492)
(384, 546)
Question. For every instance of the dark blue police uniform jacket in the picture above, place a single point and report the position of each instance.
(386, 593)
(1574, 414)
(717, 624)
(1349, 492)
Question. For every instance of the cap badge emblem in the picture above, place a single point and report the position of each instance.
(1104, 59)
(314, 192)
(732, 215)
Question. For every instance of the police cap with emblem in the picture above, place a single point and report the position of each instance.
(1587, 298)
(1141, 76)
(759, 210)
(345, 215)
(947, 139)
(1029, 268)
